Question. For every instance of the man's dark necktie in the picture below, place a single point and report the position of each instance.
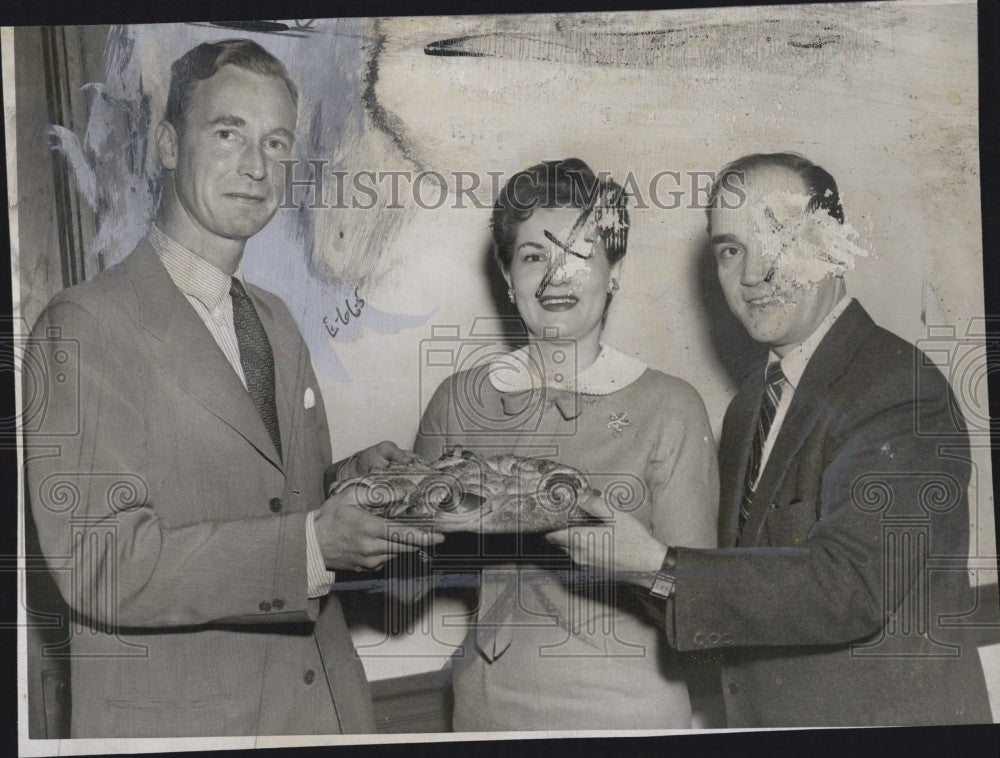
(774, 381)
(256, 358)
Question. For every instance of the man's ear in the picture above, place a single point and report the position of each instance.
(166, 144)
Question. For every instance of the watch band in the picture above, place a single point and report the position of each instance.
(664, 583)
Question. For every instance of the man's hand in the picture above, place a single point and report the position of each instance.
(376, 458)
(351, 538)
(622, 547)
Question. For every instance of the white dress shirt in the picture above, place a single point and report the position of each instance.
(207, 289)
(793, 366)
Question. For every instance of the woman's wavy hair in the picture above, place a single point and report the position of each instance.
(568, 183)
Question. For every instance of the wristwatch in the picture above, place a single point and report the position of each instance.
(664, 583)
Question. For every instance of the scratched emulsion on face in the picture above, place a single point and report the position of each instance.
(567, 267)
(571, 261)
(608, 214)
(802, 249)
(572, 247)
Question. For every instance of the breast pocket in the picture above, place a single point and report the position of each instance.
(788, 524)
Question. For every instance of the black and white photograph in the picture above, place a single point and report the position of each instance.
(472, 377)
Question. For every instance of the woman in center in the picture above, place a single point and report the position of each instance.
(548, 650)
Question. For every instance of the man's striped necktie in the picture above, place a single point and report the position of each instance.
(774, 383)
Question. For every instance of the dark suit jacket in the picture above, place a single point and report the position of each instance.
(172, 527)
(834, 606)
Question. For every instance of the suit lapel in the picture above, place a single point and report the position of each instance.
(735, 448)
(799, 421)
(186, 350)
(812, 397)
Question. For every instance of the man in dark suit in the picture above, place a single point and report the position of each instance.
(844, 524)
(175, 469)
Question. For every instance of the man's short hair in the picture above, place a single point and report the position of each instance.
(205, 60)
(820, 185)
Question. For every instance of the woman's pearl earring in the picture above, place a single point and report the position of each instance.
(613, 287)
(511, 295)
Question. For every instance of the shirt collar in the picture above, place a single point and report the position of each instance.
(193, 275)
(611, 371)
(794, 364)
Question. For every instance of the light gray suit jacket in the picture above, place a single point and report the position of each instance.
(174, 530)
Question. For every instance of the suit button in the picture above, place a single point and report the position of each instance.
(264, 606)
(309, 677)
(278, 604)
(275, 504)
(734, 688)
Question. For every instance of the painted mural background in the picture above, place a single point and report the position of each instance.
(883, 95)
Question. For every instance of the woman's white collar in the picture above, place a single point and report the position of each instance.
(613, 370)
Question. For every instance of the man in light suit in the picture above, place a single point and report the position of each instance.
(175, 469)
(844, 517)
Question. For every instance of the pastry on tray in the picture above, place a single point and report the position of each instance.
(463, 492)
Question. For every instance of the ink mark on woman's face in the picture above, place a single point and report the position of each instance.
(557, 285)
(559, 248)
(566, 247)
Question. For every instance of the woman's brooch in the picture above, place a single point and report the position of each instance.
(618, 423)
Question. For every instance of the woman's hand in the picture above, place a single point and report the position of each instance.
(621, 546)
(376, 458)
